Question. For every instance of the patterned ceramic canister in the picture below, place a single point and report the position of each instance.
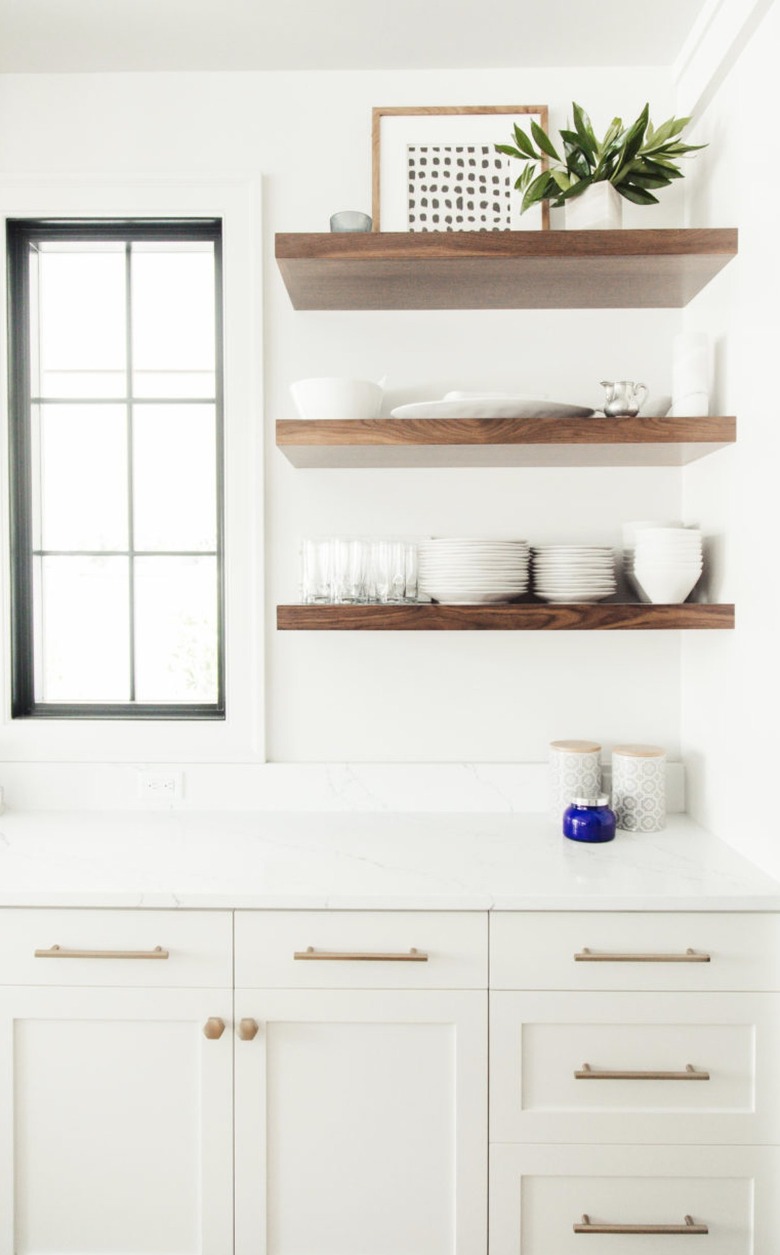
(575, 771)
(639, 787)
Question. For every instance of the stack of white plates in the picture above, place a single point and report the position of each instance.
(469, 572)
(666, 563)
(573, 572)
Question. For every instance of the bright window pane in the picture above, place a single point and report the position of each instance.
(173, 320)
(83, 476)
(78, 309)
(82, 621)
(116, 452)
(176, 629)
(175, 477)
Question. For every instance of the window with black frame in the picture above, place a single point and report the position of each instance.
(116, 469)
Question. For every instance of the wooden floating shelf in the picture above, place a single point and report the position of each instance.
(518, 617)
(662, 269)
(438, 442)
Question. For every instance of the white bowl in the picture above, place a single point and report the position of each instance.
(664, 588)
(631, 530)
(668, 546)
(337, 398)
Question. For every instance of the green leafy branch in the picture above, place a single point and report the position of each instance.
(637, 160)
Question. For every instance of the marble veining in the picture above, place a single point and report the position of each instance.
(374, 860)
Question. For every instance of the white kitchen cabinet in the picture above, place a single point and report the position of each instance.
(655, 1030)
(115, 1122)
(541, 1195)
(147, 949)
(360, 1111)
(317, 949)
(343, 1109)
(361, 1122)
(624, 1067)
(692, 951)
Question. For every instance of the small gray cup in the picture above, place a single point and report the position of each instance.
(350, 220)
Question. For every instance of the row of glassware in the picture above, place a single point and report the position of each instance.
(354, 571)
(663, 562)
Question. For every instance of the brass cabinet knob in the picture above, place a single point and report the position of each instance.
(248, 1029)
(213, 1028)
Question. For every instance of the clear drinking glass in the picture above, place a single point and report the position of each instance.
(379, 571)
(339, 557)
(316, 568)
(397, 571)
(355, 579)
(412, 574)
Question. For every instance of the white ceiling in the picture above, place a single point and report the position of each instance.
(41, 36)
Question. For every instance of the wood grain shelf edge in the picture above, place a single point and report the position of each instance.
(519, 617)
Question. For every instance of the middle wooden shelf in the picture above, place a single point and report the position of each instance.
(440, 442)
(507, 617)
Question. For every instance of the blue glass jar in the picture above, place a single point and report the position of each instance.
(589, 819)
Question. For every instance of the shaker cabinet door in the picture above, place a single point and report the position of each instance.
(361, 1123)
(115, 1122)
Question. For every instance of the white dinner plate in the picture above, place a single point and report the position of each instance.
(578, 599)
(491, 407)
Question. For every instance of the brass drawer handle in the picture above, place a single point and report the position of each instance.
(687, 1227)
(213, 1028)
(63, 952)
(587, 1073)
(248, 1029)
(590, 956)
(361, 956)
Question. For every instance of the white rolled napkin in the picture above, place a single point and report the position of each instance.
(691, 374)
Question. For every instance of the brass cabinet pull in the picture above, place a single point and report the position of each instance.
(360, 956)
(590, 956)
(587, 1073)
(688, 1227)
(63, 952)
(248, 1029)
(213, 1028)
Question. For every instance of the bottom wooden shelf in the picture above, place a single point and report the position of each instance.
(517, 617)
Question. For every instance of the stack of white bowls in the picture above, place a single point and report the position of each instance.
(574, 572)
(473, 572)
(666, 563)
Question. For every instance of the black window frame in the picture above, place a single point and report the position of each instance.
(20, 234)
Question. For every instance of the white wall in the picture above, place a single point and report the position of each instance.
(398, 697)
(731, 681)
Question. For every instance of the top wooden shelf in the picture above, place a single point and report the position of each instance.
(502, 269)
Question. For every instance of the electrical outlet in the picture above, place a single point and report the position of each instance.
(161, 788)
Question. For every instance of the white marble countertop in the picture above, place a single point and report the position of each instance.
(375, 861)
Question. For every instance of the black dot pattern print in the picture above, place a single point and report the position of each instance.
(464, 187)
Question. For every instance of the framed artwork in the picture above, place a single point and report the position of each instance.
(436, 169)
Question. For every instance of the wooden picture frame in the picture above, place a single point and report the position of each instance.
(460, 136)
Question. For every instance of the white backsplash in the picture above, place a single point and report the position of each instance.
(401, 787)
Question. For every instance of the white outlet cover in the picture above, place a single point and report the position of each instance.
(160, 788)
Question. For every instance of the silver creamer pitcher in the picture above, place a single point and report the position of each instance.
(624, 398)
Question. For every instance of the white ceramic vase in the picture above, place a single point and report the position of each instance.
(599, 208)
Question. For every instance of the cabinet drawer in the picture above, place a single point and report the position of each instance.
(634, 950)
(615, 1068)
(540, 1193)
(361, 949)
(131, 948)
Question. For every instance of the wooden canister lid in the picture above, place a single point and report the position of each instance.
(640, 751)
(576, 747)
